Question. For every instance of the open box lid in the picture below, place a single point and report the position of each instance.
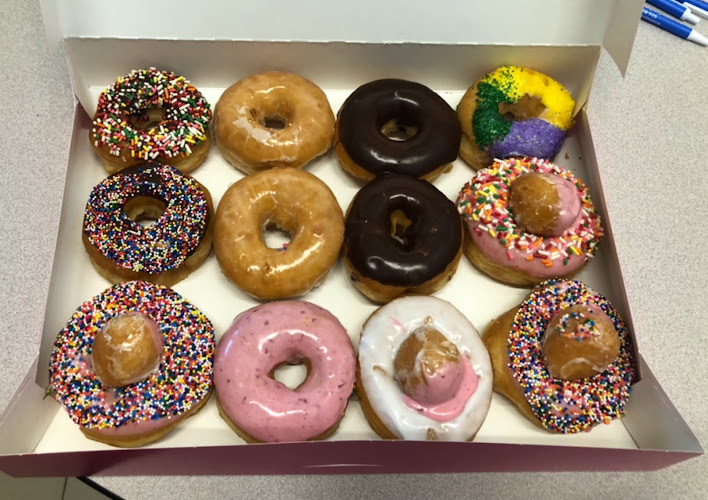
(611, 24)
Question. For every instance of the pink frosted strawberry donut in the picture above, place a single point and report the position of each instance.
(261, 409)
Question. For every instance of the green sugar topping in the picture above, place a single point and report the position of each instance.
(488, 123)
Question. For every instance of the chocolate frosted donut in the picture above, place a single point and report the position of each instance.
(396, 126)
(401, 235)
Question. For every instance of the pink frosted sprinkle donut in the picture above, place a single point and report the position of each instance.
(266, 336)
(182, 381)
(484, 205)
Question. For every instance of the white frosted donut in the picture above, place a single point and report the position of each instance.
(382, 337)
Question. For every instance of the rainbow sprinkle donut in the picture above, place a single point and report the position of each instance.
(126, 415)
(567, 406)
(151, 115)
(499, 246)
(513, 111)
(164, 252)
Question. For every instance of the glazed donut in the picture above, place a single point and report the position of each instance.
(294, 201)
(401, 235)
(528, 220)
(563, 356)
(423, 372)
(513, 111)
(151, 115)
(396, 126)
(170, 357)
(261, 409)
(164, 252)
(273, 119)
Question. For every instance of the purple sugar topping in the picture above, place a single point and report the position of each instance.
(533, 137)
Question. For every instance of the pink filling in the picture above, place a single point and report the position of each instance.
(441, 385)
(453, 406)
(569, 203)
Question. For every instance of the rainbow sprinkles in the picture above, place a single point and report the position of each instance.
(161, 246)
(182, 381)
(484, 204)
(186, 116)
(567, 406)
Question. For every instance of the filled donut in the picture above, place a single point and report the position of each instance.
(273, 119)
(563, 356)
(402, 235)
(132, 363)
(294, 201)
(423, 372)
(513, 111)
(164, 252)
(151, 115)
(528, 220)
(396, 126)
(261, 409)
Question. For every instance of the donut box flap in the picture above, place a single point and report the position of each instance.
(99, 27)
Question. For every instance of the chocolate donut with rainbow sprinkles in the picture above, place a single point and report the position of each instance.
(513, 111)
(151, 115)
(164, 252)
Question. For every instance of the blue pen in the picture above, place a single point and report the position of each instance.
(699, 7)
(676, 9)
(675, 27)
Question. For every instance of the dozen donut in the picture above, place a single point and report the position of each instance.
(137, 359)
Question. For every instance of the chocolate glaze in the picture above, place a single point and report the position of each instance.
(372, 105)
(433, 238)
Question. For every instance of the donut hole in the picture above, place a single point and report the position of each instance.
(278, 118)
(147, 119)
(292, 373)
(398, 130)
(275, 122)
(525, 108)
(145, 210)
(276, 237)
(399, 225)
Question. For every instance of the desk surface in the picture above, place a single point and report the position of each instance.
(650, 132)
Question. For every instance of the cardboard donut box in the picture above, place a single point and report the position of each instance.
(339, 46)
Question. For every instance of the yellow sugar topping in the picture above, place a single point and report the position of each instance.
(515, 82)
